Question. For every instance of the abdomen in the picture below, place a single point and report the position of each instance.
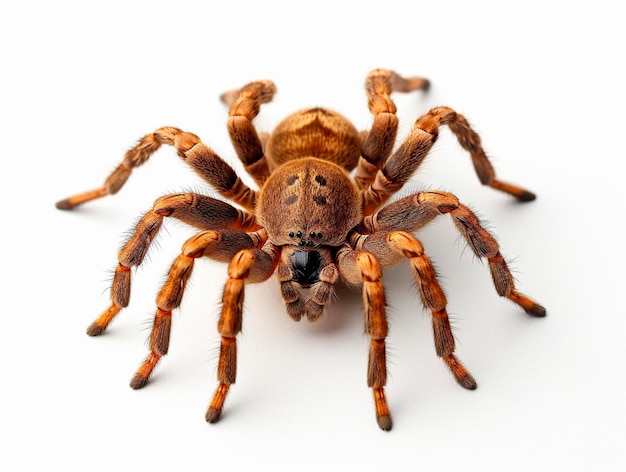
(315, 132)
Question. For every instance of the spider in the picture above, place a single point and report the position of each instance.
(320, 216)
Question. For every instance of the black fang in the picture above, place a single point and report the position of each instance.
(306, 266)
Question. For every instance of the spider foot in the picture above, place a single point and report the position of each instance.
(467, 382)
(519, 193)
(383, 417)
(212, 415)
(295, 309)
(100, 324)
(537, 310)
(529, 306)
(384, 422)
(313, 310)
(526, 196)
(95, 329)
(462, 376)
(65, 204)
(76, 200)
(214, 412)
(140, 380)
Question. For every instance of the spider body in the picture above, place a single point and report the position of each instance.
(318, 218)
(318, 202)
(315, 132)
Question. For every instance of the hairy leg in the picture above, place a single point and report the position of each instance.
(362, 267)
(389, 248)
(411, 153)
(197, 210)
(413, 212)
(245, 104)
(219, 245)
(198, 156)
(379, 140)
(248, 265)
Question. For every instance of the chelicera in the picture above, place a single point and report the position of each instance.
(320, 216)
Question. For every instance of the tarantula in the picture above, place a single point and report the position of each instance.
(310, 222)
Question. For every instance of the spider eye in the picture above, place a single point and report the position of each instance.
(320, 234)
(312, 234)
(299, 234)
(291, 234)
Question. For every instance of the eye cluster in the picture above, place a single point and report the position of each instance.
(304, 240)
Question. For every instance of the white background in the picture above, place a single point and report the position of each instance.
(543, 83)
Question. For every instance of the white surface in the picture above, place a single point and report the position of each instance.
(544, 87)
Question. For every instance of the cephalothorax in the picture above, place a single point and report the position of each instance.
(319, 216)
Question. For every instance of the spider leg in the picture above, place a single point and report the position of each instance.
(245, 104)
(362, 267)
(389, 248)
(379, 140)
(410, 154)
(200, 211)
(413, 212)
(196, 154)
(290, 294)
(248, 265)
(315, 306)
(219, 245)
